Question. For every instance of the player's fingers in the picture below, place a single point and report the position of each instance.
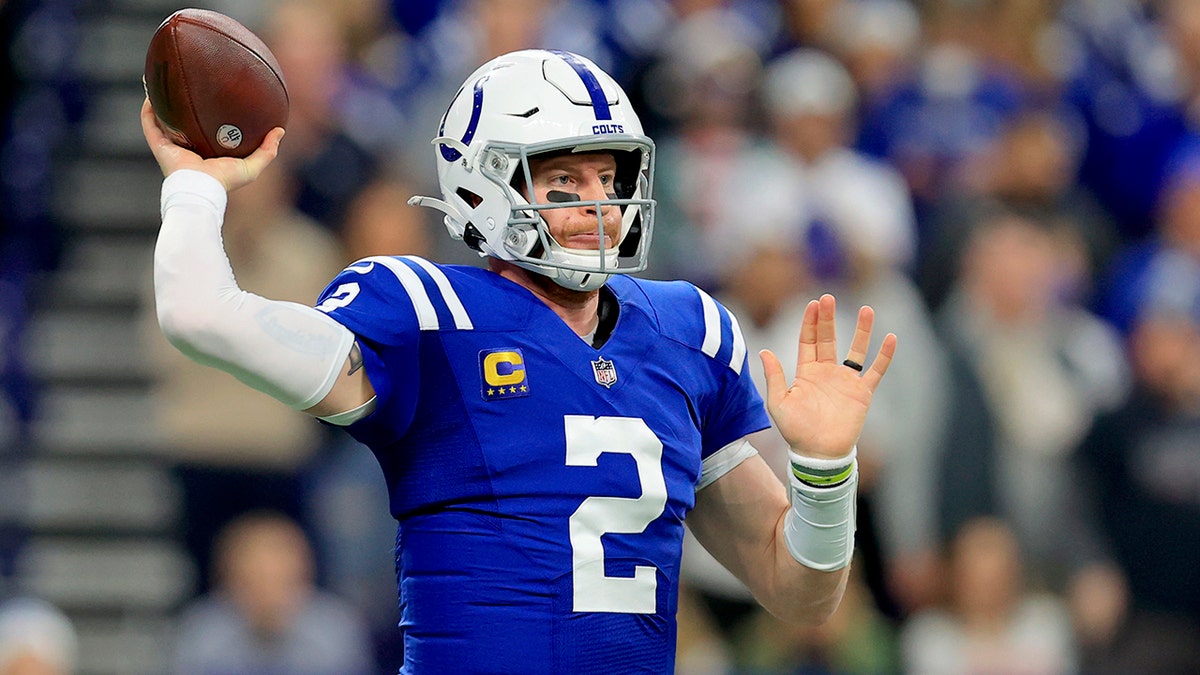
(826, 333)
(155, 137)
(808, 335)
(253, 166)
(862, 335)
(882, 360)
(775, 379)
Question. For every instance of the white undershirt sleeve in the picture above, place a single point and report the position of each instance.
(289, 351)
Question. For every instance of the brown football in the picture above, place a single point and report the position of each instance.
(214, 85)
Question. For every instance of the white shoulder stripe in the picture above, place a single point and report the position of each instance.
(461, 320)
(712, 325)
(426, 314)
(739, 345)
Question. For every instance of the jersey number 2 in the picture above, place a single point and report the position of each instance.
(587, 438)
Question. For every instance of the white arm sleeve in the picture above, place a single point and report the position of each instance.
(289, 351)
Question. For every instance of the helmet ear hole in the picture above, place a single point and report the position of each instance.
(469, 197)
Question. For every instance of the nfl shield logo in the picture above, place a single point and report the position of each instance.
(605, 371)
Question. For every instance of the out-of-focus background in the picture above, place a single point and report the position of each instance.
(1014, 185)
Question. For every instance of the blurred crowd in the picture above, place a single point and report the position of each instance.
(1014, 185)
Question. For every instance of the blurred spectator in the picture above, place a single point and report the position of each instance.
(636, 30)
(1142, 462)
(326, 166)
(343, 158)
(1043, 367)
(1030, 169)
(236, 449)
(810, 23)
(948, 108)
(1024, 36)
(992, 623)
(862, 206)
(1124, 76)
(40, 98)
(706, 75)
(1173, 249)
(266, 615)
(381, 222)
(878, 41)
(36, 638)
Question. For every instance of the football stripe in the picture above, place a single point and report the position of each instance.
(457, 310)
(427, 318)
(739, 344)
(712, 325)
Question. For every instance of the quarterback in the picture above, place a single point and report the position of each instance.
(546, 423)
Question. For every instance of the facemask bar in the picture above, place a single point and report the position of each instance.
(528, 238)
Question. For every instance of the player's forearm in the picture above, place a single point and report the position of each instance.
(797, 593)
(740, 519)
(814, 538)
(289, 351)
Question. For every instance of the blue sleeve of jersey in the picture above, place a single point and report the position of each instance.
(737, 411)
(369, 299)
(731, 406)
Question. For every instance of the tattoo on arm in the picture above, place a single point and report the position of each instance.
(356, 359)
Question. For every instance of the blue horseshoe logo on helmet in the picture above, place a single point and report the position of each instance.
(448, 153)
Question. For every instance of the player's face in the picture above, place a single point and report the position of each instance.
(589, 176)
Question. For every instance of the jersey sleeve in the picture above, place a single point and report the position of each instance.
(729, 406)
(736, 408)
(372, 300)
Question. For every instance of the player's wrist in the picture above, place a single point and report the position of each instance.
(819, 527)
(821, 472)
(195, 188)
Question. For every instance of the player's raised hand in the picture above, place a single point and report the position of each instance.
(232, 172)
(821, 413)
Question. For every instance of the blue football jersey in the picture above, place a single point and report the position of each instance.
(540, 484)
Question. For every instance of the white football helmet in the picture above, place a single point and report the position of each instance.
(521, 105)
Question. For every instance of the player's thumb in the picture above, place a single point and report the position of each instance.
(252, 166)
(775, 379)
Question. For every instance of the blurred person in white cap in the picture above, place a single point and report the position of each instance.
(810, 100)
(862, 240)
(36, 638)
(877, 40)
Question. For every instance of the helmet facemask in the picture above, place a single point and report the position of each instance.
(528, 241)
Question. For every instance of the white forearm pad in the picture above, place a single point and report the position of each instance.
(289, 351)
(819, 528)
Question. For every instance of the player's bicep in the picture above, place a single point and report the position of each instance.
(352, 396)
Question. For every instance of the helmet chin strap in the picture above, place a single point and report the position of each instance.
(580, 281)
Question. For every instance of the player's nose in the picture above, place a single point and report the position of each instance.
(593, 189)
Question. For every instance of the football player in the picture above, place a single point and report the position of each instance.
(544, 424)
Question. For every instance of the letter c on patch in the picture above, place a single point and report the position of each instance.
(503, 368)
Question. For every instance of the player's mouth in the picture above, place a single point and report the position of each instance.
(586, 240)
